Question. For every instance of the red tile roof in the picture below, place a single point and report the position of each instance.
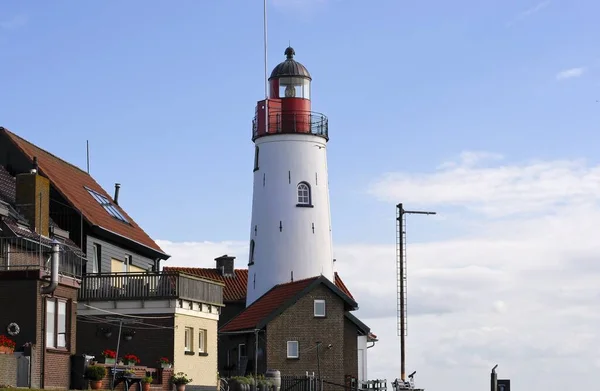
(263, 307)
(71, 181)
(341, 286)
(235, 286)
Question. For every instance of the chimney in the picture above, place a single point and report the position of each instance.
(225, 265)
(33, 199)
(116, 197)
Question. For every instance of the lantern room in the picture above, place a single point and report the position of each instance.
(288, 108)
(290, 79)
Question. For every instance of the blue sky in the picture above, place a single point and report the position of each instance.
(485, 111)
(166, 94)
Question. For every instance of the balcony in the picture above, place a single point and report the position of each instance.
(301, 122)
(18, 253)
(149, 286)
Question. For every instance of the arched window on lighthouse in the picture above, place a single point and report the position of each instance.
(304, 196)
(251, 257)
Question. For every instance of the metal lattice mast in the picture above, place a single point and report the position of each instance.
(401, 281)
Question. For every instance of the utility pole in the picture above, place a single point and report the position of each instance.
(256, 331)
(401, 279)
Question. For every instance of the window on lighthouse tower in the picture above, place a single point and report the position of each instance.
(251, 257)
(304, 196)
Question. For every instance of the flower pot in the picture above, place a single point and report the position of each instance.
(165, 366)
(109, 360)
(145, 386)
(6, 350)
(180, 387)
(95, 384)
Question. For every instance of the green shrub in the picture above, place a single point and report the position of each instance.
(95, 372)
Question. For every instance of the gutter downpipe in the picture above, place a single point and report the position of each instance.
(51, 287)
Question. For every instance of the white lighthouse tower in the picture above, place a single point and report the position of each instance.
(290, 235)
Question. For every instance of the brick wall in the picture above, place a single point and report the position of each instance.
(298, 323)
(8, 370)
(22, 303)
(57, 364)
(350, 349)
(149, 343)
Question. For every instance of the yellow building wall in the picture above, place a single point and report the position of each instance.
(201, 368)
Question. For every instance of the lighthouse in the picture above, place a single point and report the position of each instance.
(290, 233)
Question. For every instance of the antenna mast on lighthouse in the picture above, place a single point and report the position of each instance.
(401, 269)
(266, 65)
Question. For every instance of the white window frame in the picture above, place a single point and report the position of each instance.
(95, 258)
(289, 345)
(316, 303)
(240, 351)
(303, 194)
(201, 341)
(54, 329)
(188, 337)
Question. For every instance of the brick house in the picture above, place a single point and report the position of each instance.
(44, 313)
(108, 270)
(295, 321)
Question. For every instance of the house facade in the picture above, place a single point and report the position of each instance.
(108, 268)
(301, 326)
(171, 315)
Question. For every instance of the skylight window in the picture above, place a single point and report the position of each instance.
(107, 205)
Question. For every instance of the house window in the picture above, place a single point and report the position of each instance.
(241, 352)
(202, 341)
(107, 205)
(320, 308)
(292, 349)
(189, 339)
(251, 257)
(304, 198)
(96, 257)
(56, 323)
(256, 158)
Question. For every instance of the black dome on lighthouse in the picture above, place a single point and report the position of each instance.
(290, 67)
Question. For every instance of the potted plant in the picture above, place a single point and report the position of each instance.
(7, 345)
(146, 381)
(109, 356)
(180, 379)
(127, 373)
(240, 383)
(130, 359)
(164, 363)
(95, 374)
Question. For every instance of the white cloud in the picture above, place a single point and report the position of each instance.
(570, 73)
(520, 292)
(528, 12)
(500, 190)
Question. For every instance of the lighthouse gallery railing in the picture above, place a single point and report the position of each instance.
(297, 122)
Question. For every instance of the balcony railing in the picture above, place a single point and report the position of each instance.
(296, 122)
(147, 286)
(17, 253)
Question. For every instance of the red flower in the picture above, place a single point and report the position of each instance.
(109, 353)
(5, 341)
(131, 358)
(164, 360)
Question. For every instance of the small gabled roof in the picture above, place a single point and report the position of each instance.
(72, 183)
(277, 300)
